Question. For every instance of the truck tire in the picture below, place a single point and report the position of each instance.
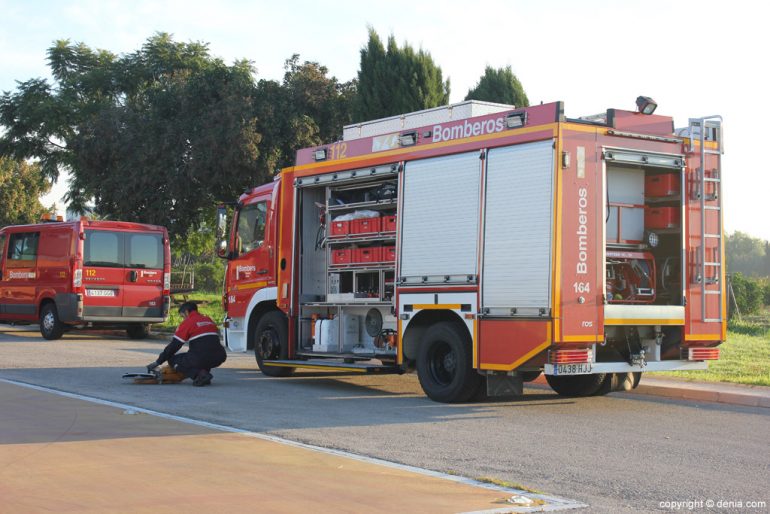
(271, 342)
(578, 385)
(138, 331)
(445, 364)
(50, 326)
(529, 376)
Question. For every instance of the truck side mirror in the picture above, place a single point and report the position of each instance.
(222, 249)
(221, 232)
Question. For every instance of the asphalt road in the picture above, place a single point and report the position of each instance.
(615, 453)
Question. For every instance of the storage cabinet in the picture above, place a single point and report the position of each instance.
(360, 242)
(354, 284)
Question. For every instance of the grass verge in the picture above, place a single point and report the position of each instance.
(209, 304)
(744, 358)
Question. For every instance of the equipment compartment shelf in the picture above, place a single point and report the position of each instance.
(662, 199)
(361, 238)
(377, 204)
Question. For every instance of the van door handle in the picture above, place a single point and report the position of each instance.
(133, 275)
(262, 271)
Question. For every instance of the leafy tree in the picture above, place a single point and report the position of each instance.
(308, 108)
(21, 186)
(153, 136)
(397, 80)
(746, 254)
(499, 85)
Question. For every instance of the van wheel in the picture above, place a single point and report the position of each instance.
(445, 364)
(50, 326)
(138, 331)
(579, 385)
(271, 342)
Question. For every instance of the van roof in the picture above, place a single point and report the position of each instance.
(104, 224)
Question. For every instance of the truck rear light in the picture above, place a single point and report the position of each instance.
(166, 283)
(702, 354)
(570, 356)
(77, 279)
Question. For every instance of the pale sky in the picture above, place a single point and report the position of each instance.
(695, 58)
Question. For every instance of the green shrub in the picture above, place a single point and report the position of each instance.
(749, 294)
(209, 276)
(766, 293)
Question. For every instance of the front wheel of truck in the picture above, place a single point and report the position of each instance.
(272, 343)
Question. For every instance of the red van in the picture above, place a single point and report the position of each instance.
(85, 274)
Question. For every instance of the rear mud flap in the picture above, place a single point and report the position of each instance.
(505, 385)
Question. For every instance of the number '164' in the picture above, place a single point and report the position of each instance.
(582, 287)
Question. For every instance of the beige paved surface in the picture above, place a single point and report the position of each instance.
(66, 455)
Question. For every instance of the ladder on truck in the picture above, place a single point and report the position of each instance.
(702, 130)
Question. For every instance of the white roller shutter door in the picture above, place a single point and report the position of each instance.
(518, 230)
(440, 219)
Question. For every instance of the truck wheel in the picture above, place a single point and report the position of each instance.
(529, 376)
(272, 343)
(50, 326)
(138, 331)
(444, 364)
(577, 385)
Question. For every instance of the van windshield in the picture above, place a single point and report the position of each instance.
(112, 249)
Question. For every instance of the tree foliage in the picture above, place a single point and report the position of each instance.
(397, 80)
(747, 255)
(153, 136)
(308, 108)
(21, 186)
(499, 85)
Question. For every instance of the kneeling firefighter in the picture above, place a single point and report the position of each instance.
(205, 351)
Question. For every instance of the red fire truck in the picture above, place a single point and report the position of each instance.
(85, 274)
(483, 245)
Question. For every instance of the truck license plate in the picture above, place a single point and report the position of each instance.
(573, 369)
(100, 292)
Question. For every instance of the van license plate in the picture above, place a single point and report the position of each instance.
(100, 292)
(573, 369)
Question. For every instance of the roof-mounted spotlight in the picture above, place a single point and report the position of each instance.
(407, 138)
(646, 105)
(516, 119)
(320, 154)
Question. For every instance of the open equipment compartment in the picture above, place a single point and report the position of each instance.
(644, 251)
(347, 267)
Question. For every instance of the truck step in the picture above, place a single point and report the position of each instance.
(330, 365)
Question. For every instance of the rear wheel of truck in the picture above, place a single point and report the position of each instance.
(271, 342)
(578, 385)
(529, 376)
(138, 331)
(445, 364)
(50, 325)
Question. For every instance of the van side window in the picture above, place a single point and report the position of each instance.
(251, 226)
(23, 246)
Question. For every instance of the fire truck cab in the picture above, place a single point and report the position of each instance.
(483, 245)
(85, 274)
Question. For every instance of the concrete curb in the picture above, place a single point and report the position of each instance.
(714, 392)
